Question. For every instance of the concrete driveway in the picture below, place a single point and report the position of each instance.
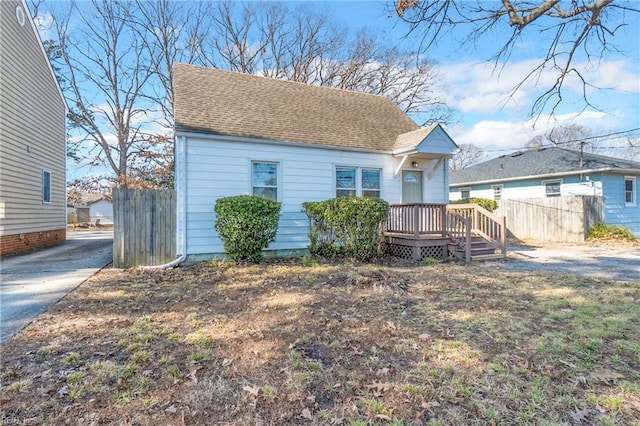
(613, 263)
(31, 283)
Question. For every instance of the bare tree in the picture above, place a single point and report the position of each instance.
(104, 64)
(468, 155)
(633, 148)
(573, 136)
(116, 58)
(302, 45)
(576, 27)
(171, 32)
(589, 140)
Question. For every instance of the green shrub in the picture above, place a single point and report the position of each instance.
(322, 238)
(485, 203)
(349, 225)
(605, 231)
(246, 224)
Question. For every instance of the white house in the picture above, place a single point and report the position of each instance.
(101, 211)
(243, 134)
(556, 172)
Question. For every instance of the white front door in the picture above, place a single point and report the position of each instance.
(411, 186)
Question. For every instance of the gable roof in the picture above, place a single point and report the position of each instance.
(539, 163)
(234, 104)
(432, 140)
(413, 138)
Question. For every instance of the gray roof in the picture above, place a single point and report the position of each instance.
(234, 104)
(540, 162)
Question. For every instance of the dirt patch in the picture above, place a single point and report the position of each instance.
(309, 342)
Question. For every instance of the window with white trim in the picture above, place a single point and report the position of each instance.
(371, 182)
(629, 191)
(346, 181)
(353, 181)
(497, 192)
(465, 193)
(46, 186)
(264, 179)
(552, 188)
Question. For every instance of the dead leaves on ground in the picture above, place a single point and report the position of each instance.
(326, 344)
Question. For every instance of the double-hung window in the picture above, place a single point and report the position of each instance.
(629, 191)
(264, 179)
(497, 192)
(352, 181)
(46, 186)
(465, 193)
(371, 182)
(346, 181)
(552, 188)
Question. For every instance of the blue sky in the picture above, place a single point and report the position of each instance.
(488, 117)
(471, 83)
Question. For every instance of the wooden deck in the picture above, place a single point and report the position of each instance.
(440, 231)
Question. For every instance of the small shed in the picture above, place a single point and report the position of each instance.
(100, 211)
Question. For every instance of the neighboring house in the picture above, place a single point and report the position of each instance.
(101, 212)
(94, 208)
(554, 172)
(244, 134)
(32, 137)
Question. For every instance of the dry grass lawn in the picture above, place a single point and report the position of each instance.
(308, 342)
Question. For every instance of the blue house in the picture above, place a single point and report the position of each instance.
(555, 172)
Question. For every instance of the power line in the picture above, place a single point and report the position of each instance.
(607, 136)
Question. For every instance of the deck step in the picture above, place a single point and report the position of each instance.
(493, 256)
(477, 251)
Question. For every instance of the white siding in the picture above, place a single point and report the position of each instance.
(436, 177)
(217, 169)
(528, 189)
(102, 210)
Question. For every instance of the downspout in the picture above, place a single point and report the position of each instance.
(180, 178)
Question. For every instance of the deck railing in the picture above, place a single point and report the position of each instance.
(458, 222)
(484, 223)
(459, 231)
(416, 219)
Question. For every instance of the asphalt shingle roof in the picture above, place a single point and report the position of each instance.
(229, 103)
(546, 161)
(411, 139)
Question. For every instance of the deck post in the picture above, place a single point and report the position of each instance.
(503, 235)
(467, 241)
(416, 220)
(443, 220)
(476, 214)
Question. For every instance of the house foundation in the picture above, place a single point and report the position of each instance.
(30, 241)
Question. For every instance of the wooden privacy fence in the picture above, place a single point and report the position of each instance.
(144, 230)
(562, 219)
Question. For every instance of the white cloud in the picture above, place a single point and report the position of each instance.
(44, 24)
(484, 88)
(493, 135)
(615, 75)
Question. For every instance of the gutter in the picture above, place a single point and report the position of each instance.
(257, 140)
(548, 175)
(182, 200)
